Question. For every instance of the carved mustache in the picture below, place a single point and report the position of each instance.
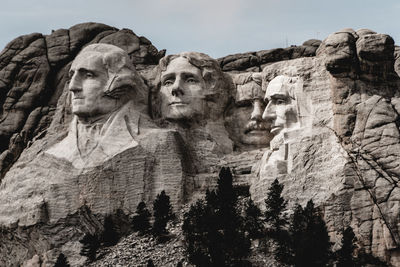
(255, 125)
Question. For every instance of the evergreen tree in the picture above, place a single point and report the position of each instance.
(61, 261)
(309, 240)
(110, 236)
(213, 229)
(162, 214)
(275, 205)
(319, 246)
(141, 221)
(90, 246)
(290, 243)
(201, 234)
(235, 244)
(345, 253)
(252, 220)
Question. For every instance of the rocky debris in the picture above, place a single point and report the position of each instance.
(135, 250)
(255, 61)
(33, 72)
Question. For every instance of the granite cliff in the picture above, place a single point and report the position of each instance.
(338, 142)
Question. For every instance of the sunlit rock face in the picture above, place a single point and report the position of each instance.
(366, 120)
(190, 95)
(304, 153)
(342, 149)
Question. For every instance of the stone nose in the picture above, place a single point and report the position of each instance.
(269, 112)
(176, 88)
(75, 84)
(256, 114)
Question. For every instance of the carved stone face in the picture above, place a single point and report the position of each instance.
(182, 90)
(244, 119)
(88, 79)
(281, 108)
(253, 129)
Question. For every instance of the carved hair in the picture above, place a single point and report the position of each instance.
(218, 84)
(123, 80)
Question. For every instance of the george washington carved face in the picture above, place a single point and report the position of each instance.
(88, 79)
(102, 79)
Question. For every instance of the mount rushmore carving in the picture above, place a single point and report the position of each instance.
(98, 122)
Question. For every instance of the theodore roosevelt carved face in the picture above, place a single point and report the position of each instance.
(244, 118)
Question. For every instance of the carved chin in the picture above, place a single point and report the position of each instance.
(178, 112)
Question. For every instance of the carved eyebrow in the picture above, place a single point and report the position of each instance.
(167, 77)
(188, 74)
(279, 96)
(84, 70)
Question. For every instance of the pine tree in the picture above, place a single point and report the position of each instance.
(141, 221)
(309, 240)
(201, 234)
(275, 205)
(345, 253)
(235, 244)
(162, 214)
(90, 245)
(61, 261)
(252, 220)
(290, 243)
(213, 229)
(110, 236)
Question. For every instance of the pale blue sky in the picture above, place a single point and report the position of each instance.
(215, 27)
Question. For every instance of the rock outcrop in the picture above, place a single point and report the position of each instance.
(343, 152)
(323, 118)
(256, 61)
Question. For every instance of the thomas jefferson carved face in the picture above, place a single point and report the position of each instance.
(281, 111)
(88, 79)
(182, 90)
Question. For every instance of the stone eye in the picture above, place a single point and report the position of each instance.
(280, 101)
(191, 80)
(168, 83)
(89, 75)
